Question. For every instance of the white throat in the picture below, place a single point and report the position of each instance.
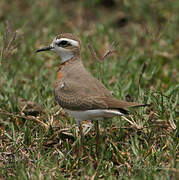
(63, 53)
(66, 55)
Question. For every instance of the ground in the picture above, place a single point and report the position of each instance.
(39, 141)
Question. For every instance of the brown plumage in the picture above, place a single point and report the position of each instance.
(78, 90)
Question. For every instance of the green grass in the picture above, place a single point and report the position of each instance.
(37, 141)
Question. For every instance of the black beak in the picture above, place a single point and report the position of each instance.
(47, 48)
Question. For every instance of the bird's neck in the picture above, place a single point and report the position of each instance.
(71, 60)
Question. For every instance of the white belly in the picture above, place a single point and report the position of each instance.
(96, 114)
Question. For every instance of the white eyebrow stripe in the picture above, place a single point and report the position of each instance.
(73, 42)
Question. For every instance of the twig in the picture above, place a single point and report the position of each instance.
(111, 50)
(93, 53)
(107, 54)
(144, 66)
(11, 40)
(131, 122)
(25, 117)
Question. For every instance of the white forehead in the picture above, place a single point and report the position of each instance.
(71, 41)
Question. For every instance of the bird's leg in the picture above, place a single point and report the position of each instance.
(97, 138)
(81, 137)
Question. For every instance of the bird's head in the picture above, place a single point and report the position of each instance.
(65, 45)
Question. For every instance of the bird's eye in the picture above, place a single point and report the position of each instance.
(63, 43)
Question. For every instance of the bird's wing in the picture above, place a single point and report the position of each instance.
(79, 96)
(116, 103)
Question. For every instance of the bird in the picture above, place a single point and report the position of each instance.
(80, 94)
